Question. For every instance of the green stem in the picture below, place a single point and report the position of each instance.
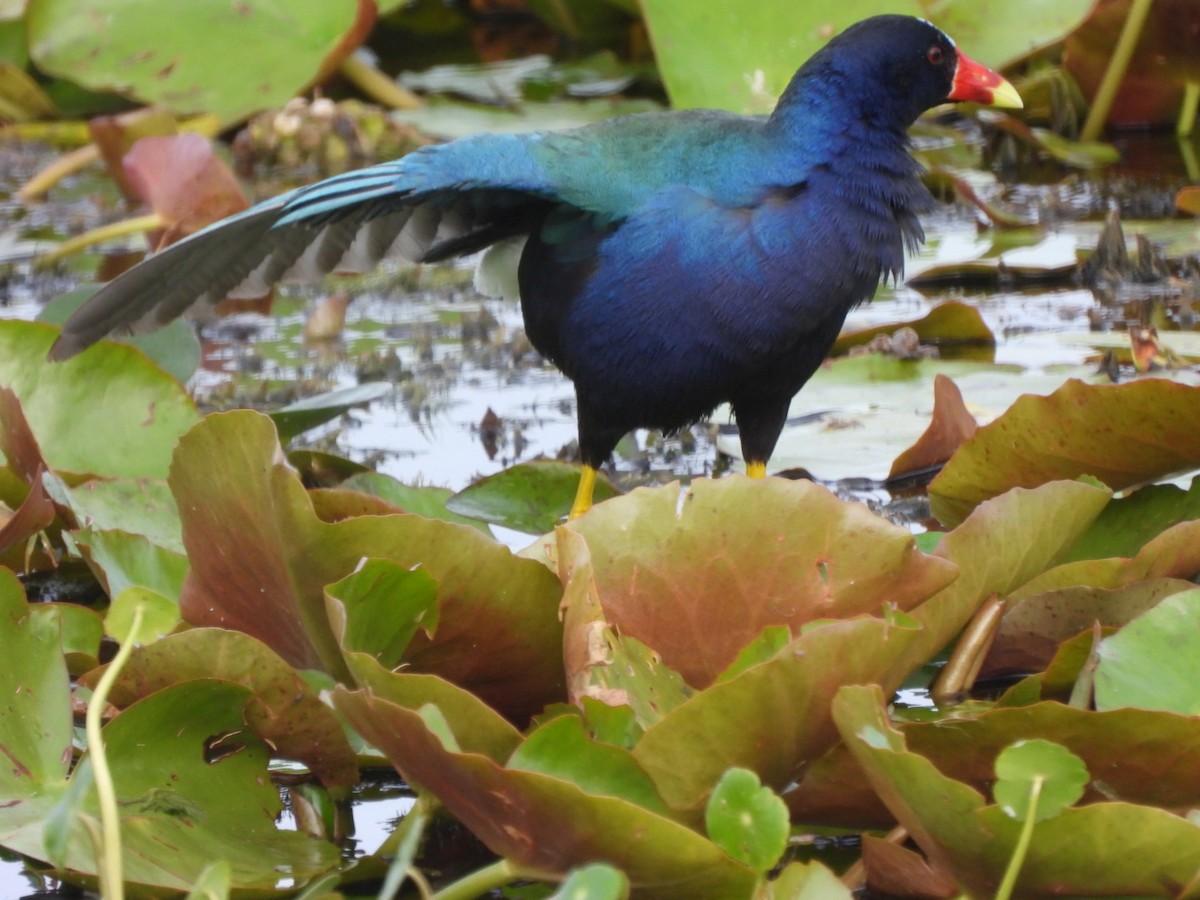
(478, 883)
(112, 879)
(1023, 842)
(1113, 76)
(1187, 112)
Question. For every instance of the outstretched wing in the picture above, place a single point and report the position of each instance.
(435, 203)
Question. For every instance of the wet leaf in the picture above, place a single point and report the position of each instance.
(159, 616)
(952, 322)
(598, 881)
(155, 56)
(543, 824)
(1059, 774)
(310, 412)
(773, 718)
(562, 749)
(131, 433)
(1103, 849)
(1128, 523)
(1154, 661)
(699, 580)
(280, 707)
(1121, 434)
(755, 64)
(379, 608)
(748, 821)
(807, 881)
(261, 559)
(950, 427)
(423, 500)
(137, 506)
(1034, 626)
(121, 559)
(532, 497)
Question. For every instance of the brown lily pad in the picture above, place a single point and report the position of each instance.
(951, 426)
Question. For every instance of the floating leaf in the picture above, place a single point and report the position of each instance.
(131, 433)
(747, 820)
(155, 55)
(1154, 661)
(423, 500)
(952, 322)
(532, 497)
(1059, 776)
(1129, 523)
(281, 707)
(1102, 849)
(379, 608)
(260, 560)
(699, 580)
(310, 412)
(1121, 434)
(542, 824)
(949, 428)
(598, 881)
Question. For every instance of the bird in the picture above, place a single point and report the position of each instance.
(668, 262)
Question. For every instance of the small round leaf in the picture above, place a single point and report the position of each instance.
(746, 820)
(1020, 767)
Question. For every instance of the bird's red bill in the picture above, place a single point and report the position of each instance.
(976, 83)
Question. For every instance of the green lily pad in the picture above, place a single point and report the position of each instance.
(281, 707)
(1128, 523)
(141, 506)
(1154, 661)
(756, 62)
(1102, 849)
(532, 497)
(1056, 774)
(747, 820)
(543, 825)
(1121, 434)
(154, 54)
(130, 410)
(380, 607)
(121, 560)
(952, 322)
(595, 882)
(298, 417)
(423, 500)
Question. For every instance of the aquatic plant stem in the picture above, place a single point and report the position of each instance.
(112, 879)
(1115, 73)
(478, 883)
(1187, 112)
(1018, 856)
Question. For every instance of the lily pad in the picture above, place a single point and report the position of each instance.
(1103, 849)
(131, 411)
(532, 497)
(422, 500)
(261, 558)
(698, 579)
(1153, 662)
(1121, 434)
(154, 55)
(310, 412)
(544, 825)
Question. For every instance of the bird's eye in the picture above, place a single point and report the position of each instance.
(935, 55)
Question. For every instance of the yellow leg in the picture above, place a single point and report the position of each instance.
(583, 496)
(757, 469)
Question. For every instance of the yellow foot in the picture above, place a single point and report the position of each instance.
(583, 496)
(757, 469)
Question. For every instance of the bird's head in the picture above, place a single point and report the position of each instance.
(896, 67)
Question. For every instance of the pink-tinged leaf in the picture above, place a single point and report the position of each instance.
(261, 559)
(698, 580)
(184, 181)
